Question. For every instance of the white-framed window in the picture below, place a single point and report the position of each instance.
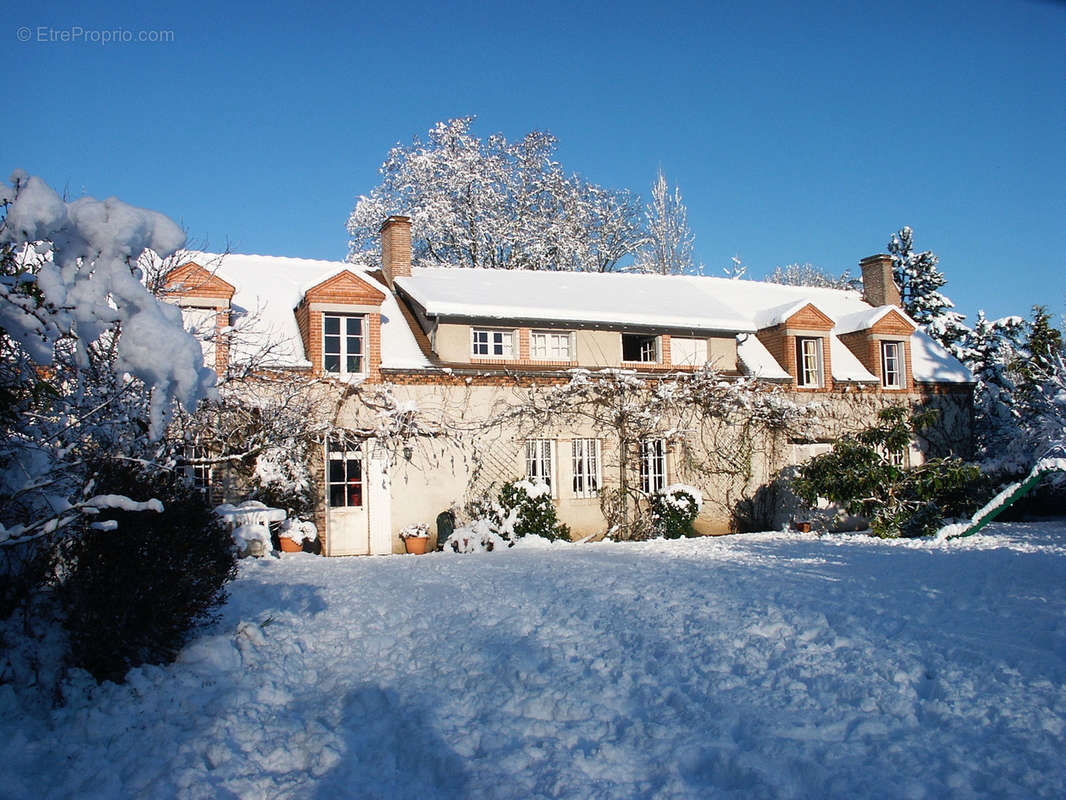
(892, 365)
(344, 473)
(343, 344)
(551, 346)
(652, 465)
(809, 371)
(540, 457)
(641, 348)
(203, 324)
(196, 467)
(688, 352)
(586, 465)
(488, 343)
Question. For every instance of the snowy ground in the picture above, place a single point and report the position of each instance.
(767, 665)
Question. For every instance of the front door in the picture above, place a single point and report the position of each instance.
(347, 511)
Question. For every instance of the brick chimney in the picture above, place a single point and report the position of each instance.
(878, 286)
(396, 248)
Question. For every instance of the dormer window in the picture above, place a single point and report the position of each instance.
(809, 370)
(342, 344)
(551, 346)
(488, 343)
(640, 348)
(892, 376)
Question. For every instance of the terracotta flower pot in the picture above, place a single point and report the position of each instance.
(416, 544)
(289, 546)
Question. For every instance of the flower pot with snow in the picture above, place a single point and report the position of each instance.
(415, 538)
(294, 532)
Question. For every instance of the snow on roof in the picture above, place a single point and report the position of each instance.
(931, 362)
(756, 359)
(270, 287)
(867, 318)
(768, 317)
(844, 365)
(683, 301)
(610, 298)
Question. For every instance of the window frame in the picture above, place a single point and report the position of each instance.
(586, 460)
(342, 445)
(803, 375)
(507, 335)
(344, 337)
(653, 465)
(540, 462)
(550, 336)
(900, 367)
(656, 342)
(200, 475)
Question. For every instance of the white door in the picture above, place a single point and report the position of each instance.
(347, 508)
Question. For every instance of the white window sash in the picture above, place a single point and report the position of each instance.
(810, 366)
(344, 342)
(652, 465)
(586, 467)
(551, 346)
(892, 354)
(540, 462)
(489, 340)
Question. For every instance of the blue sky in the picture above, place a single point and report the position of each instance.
(796, 132)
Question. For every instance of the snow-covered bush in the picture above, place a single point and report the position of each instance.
(140, 580)
(475, 537)
(673, 510)
(282, 479)
(91, 364)
(521, 508)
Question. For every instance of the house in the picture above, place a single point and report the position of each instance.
(465, 343)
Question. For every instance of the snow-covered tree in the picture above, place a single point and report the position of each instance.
(1040, 371)
(497, 204)
(91, 364)
(668, 249)
(919, 281)
(990, 350)
(736, 269)
(1020, 392)
(806, 274)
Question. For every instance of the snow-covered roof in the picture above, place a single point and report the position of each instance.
(270, 287)
(756, 360)
(931, 362)
(866, 318)
(669, 301)
(844, 365)
(573, 297)
(768, 317)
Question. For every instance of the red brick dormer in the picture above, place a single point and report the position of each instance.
(343, 294)
(192, 287)
(891, 329)
(803, 333)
